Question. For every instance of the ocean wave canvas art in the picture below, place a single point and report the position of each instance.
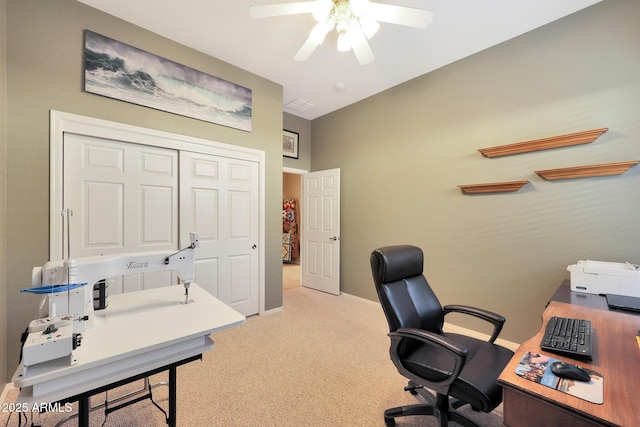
(123, 72)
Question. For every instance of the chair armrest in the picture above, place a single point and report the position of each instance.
(457, 351)
(495, 319)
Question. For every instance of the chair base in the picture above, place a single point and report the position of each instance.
(439, 409)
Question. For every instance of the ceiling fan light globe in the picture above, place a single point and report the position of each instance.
(342, 9)
(322, 9)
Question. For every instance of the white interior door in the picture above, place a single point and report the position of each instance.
(219, 200)
(124, 199)
(320, 237)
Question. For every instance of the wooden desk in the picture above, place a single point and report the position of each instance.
(615, 355)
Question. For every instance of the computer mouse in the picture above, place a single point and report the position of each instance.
(572, 372)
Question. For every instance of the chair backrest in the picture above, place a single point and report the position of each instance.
(406, 297)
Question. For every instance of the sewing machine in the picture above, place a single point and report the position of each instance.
(68, 285)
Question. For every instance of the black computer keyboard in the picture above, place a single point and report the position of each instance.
(571, 337)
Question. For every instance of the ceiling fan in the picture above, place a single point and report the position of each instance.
(354, 20)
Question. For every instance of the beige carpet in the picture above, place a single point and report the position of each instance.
(322, 361)
(290, 276)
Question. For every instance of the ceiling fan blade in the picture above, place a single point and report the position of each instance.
(268, 10)
(306, 50)
(361, 47)
(400, 15)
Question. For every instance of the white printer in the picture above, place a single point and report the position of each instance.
(599, 277)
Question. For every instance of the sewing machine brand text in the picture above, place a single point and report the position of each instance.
(131, 265)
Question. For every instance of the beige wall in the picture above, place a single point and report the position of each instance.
(303, 128)
(402, 154)
(44, 72)
(291, 186)
(3, 259)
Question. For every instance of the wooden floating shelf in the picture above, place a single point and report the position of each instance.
(493, 187)
(544, 143)
(604, 169)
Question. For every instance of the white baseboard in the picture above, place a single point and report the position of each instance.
(368, 301)
(272, 311)
(464, 331)
(7, 388)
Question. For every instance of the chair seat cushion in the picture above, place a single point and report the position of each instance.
(476, 383)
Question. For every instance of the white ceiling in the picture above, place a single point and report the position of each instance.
(266, 47)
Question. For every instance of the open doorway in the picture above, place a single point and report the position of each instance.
(292, 210)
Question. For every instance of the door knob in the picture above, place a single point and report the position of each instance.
(333, 239)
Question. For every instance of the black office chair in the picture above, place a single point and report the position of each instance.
(451, 365)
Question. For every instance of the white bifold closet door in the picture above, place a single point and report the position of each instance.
(124, 198)
(219, 200)
(128, 197)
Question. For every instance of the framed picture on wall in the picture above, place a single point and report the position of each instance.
(290, 143)
(126, 73)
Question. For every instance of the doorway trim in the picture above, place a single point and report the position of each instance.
(294, 171)
(61, 123)
(299, 172)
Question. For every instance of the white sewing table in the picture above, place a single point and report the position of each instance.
(137, 335)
